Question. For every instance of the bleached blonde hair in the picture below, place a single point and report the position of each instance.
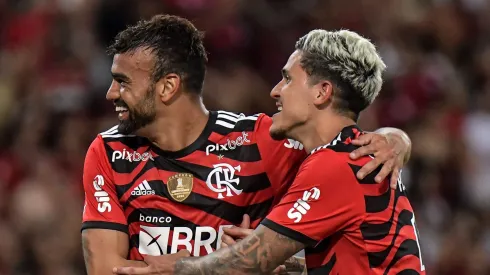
(344, 57)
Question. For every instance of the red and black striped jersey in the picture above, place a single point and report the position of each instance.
(167, 201)
(349, 226)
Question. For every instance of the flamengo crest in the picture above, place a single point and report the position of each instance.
(224, 176)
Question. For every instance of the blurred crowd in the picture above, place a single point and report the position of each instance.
(54, 74)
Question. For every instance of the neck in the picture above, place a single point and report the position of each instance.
(322, 130)
(178, 127)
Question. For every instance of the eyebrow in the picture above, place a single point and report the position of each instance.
(120, 76)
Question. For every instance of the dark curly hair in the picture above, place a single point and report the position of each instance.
(176, 44)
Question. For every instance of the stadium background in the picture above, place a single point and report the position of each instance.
(54, 74)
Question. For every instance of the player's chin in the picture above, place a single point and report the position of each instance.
(277, 132)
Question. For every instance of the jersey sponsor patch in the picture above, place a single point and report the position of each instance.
(131, 156)
(101, 196)
(157, 241)
(301, 206)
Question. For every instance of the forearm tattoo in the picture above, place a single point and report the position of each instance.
(295, 264)
(259, 253)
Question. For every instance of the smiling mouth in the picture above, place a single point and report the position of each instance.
(279, 110)
(123, 112)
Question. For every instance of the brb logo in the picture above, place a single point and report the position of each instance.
(100, 195)
(154, 241)
(301, 206)
(135, 156)
(224, 176)
(229, 145)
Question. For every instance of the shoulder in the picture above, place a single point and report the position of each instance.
(257, 124)
(338, 145)
(112, 141)
(323, 158)
(331, 175)
(228, 122)
(326, 163)
(113, 136)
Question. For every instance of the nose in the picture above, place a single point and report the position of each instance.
(275, 91)
(113, 92)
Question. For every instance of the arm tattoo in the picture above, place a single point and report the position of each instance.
(295, 264)
(259, 253)
(87, 253)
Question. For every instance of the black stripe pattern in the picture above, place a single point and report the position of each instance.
(227, 122)
(248, 184)
(213, 206)
(377, 258)
(325, 269)
(368, 179)
(373, 230)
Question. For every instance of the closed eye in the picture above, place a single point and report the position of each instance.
(121, 82)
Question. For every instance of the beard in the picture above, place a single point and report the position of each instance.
(140, 115)
(277, 134)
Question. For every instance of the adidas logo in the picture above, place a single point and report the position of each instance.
(143, 189)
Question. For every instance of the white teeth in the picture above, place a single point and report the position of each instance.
(120, 109)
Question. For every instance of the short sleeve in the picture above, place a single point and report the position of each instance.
(323, 199)
(102, 208)
(281, 158)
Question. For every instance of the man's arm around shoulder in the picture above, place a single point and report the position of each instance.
(403, 138)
